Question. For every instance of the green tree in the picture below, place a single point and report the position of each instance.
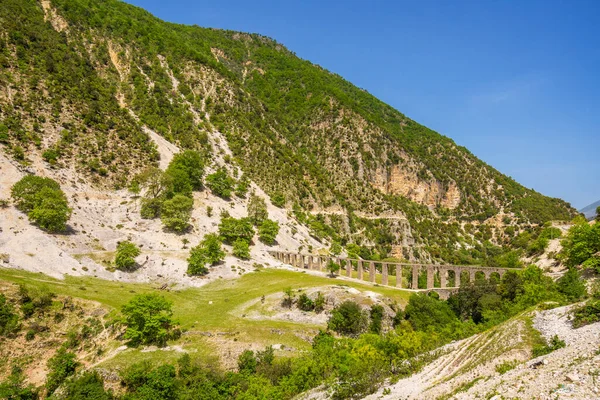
(582, 245)
(52, 211)
(126, 254)
(208, 251)
(335, 248)
(43, 201)
(241, 189)
(598, 214)
(267, 231)
(192, 164)
(176, 212)
(220, 183)
(177, 182)
(257, 209)
(348, 319)
(231, 229)
(332, 268)
(425, 312)
(148, 318)
(241, 249)
(278, 199)
(24, 192)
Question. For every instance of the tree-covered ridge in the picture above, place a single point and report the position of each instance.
(84, 87)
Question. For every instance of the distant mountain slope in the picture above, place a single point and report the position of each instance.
(590, 211)
(82, 81)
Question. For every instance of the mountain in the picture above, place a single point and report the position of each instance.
(98, 87)
(590, 211)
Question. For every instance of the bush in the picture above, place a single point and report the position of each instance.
(151, 208)
(319, 302)
(43, 201)
(571, 285)
(376, 319)
(257, 209)
(148, 318)
(278, 200)
(176, 212)
(247, 362)
(208, 251)
(14, 389)
(587, 314)
(87, 386)
(126, 254)
(546, 348)
(506, 366)
(348, 319)
(241, 249)
(220, 183)
(267, 231)
(305, 303)
(231, 229)
(176, 182)
(9, 320)
(60, 367)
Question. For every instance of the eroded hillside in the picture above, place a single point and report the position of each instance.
(86, 84)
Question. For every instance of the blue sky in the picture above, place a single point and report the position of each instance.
(516, 82)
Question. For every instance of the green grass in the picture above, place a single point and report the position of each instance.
(193, 310)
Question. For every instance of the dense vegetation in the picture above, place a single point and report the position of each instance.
(305, 135)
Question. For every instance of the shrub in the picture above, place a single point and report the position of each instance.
(126, 254)
(62, 365)
(241, 189)
(319, 302)
(14, 389)
(220, 183)
(148, 318)
(506, 366)
(247, 362)
(278, 199)
(231, 229)
(347, 319)
(267, 231)
(571, 285)
(257, 209)
(151, 208)
(51, 156)
(43, 201)
(241, 249)
(546, 348)
(305, 303)
(587, 314)
(87, 386)
(9, 320)
(176, 212)
(376, 319)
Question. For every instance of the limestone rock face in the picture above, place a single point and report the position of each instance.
(405, 181)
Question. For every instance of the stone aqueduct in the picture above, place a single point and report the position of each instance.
(375, 268)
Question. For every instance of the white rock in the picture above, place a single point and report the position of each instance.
(572, 377)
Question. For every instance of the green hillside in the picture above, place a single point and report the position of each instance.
(80, 78)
